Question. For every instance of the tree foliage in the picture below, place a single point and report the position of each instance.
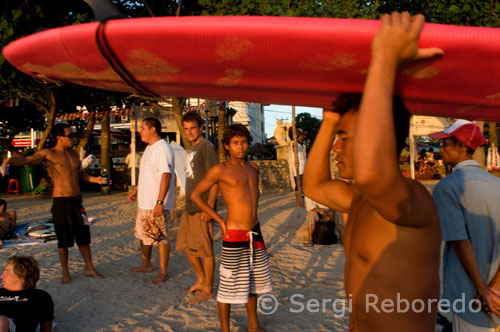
(310, 124)
(458, 12)
(41, 101)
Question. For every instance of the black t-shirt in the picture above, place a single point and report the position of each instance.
(200, 159)
(28, 308)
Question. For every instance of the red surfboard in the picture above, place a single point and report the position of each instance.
(290, 61)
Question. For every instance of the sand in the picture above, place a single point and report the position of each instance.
(302, 276)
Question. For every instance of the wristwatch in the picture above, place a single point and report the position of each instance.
(159, 202)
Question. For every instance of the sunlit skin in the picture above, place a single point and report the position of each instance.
(238, 181)
(192, 131)
(453, 153)
(10, 280)
(343, 145)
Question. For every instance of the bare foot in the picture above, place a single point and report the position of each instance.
(201, 296)
(142, 268)
(258, 329)
(93, 274)
(160, 277)
(65, 280)
(197, 286)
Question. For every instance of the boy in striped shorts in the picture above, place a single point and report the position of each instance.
(244, 269)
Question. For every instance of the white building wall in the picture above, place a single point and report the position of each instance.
(252, 116)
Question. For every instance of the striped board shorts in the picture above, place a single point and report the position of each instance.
(244, 267)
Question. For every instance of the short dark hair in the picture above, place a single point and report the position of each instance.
(153, 122)
(350, 102)
(234, 130)
(27, 269)
(58, 129)
(4, 203)
(193, 116)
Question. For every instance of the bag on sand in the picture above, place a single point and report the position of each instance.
(324, 232)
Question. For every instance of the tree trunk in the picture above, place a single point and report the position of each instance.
(221, 127)
(178, 106)
(492, 133)
(51, 118)
(479, 155)
(105, 151)
(88, 132)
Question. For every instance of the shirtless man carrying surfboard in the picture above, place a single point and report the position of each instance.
(392, 238)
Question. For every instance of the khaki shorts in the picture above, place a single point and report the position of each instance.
(194, 237)
(151, 230)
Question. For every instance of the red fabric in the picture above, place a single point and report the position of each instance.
(239, 235)
(279, 60)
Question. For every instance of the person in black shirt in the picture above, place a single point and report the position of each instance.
(22, 307)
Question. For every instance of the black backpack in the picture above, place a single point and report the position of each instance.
(324, 232)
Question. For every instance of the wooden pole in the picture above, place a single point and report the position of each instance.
(412, 150)
(106, 151)
(296, 157)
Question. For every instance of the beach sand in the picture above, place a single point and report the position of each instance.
(126, 301)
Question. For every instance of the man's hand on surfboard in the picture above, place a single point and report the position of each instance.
(397, 39)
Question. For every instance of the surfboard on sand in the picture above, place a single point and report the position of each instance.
(278, 60)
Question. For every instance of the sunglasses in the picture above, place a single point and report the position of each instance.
(72, 135)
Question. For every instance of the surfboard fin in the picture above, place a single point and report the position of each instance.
(105, 10)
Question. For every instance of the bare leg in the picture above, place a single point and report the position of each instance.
(312, 216)
(253, 322)
(63, 258)
(208, 272)
(146, 259)
(224, 315)
(208, 269)
(297, 199)
(163, 255)
(87, 258)
(198, 270)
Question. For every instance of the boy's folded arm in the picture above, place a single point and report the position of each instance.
(209, 181)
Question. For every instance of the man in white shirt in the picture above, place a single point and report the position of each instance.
(156, 181)
(301, 155)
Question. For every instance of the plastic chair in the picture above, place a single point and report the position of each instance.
(13, 187)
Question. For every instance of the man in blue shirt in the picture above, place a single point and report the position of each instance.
(469, 211)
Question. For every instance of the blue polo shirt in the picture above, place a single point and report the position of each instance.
(468, 202)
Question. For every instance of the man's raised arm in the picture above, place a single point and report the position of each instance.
(318, 184)
(376, 170)
(34, 159)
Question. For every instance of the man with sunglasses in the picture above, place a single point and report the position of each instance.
(64, 168)
(467, 202)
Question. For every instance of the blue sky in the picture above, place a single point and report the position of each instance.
(274, 112)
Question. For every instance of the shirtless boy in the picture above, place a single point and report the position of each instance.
(64, 169)
(244, 269)
(7, 220)
(392, 238)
